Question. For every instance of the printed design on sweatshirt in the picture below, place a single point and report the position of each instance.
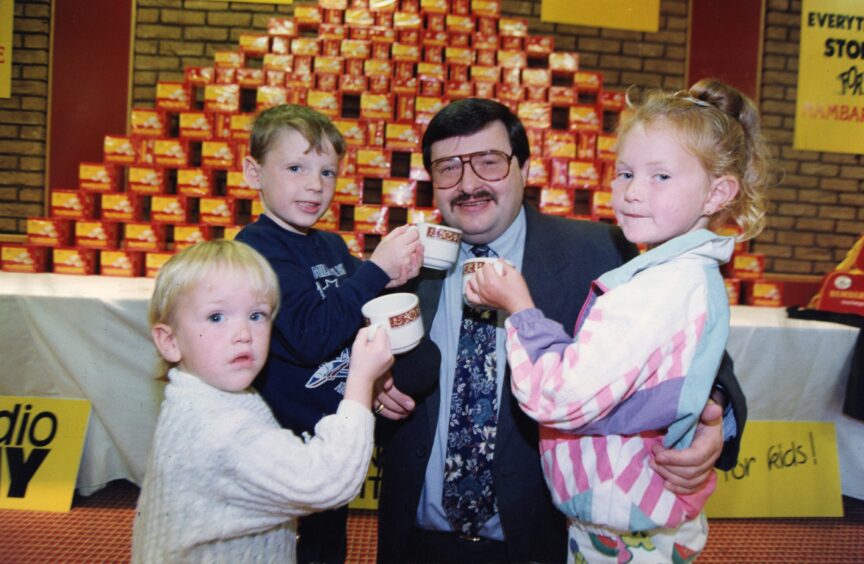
(335, 369)
(327, 277)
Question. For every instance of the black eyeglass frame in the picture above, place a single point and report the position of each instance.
(466, 158)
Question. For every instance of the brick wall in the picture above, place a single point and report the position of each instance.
(23, 118)
(817, 208)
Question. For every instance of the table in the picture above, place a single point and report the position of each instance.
(87, 337)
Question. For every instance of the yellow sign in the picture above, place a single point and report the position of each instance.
(6, 17)
(785, 469)
(371, 490)
(40, 450)
(638, 15)
(829, 109)
(260, 1)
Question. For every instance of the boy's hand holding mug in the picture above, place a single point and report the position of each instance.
(400, 255)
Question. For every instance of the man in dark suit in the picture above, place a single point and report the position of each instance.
(477, 154)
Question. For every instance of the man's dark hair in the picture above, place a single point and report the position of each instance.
(468, 116)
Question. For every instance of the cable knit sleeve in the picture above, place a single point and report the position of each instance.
(279, 472)
(635, 335)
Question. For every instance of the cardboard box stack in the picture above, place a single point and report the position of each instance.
(380, 70)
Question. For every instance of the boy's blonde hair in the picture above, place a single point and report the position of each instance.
(189, 267)
(315, 127)
(720, 126)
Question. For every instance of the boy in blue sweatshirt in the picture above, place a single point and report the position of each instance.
(293, 162)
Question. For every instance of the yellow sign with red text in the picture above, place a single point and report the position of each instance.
(637, 15)
(785, 469)
(40, 451)
(7, 16)
(829, 107)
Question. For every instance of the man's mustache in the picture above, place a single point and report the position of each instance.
(478, 195)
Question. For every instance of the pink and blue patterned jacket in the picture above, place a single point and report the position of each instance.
(638, 373)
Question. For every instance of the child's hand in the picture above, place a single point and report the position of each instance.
(506, 291)
(400, 255)
(370, 354)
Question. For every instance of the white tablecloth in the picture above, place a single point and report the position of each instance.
(87, 337)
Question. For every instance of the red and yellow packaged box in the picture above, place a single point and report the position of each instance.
(562, 95)
(254, 43)
(405, 52)
(380, 50)
(228, 59)
(556, 201)
(226, 75)
(459, 23)
(379, 84)
(281, 26)
(332, 32)
(240, 126)
(559, 173)
(328, 65)
(269, 96)
(747, 266)
(154, 261)
(309, 46)
(278, 62)
(143, 236)
(375, 133)
(195, 125)
(74, 261)
(97, 177)
(348, 190)
(352, 130)
(765, 293)
(188, 235)
(539, 45)
(250, 78)
(606, 146)
(425, 107)
(584, 175)
(229, 233)
(584, 117)
(373, 162)
(145, 180)
(170, 152)
(72, 204)
(376, 106)
(23, 258)
(588, 81)
(538, 172)
(96, 234)
(194, 182)
(510, 92)
(222, 98)
(359, 17)
(512, 43)
(356, 48)
(116, 149)
(167, 208)
(216, 210)
(586, 145)
(424, 215)
(237, 187)
(733, 231)
(559, 144)
(405, 107)
(484, 89)
(329, 220)
(353, 84)
(49, 232)
(488, 8)
(120, 206)
(536, 77)
(417, 170)
(370, 219)
(733, 290)
(327, 103)
(535, 114)
(218, 154)
(199, 76)
(354, 242)
(842, 291)
(601, 205)
(399, 192)
(172, 96)
(612, 100)
(147, 123)
(120, 262)
(402, 136)
(536, 93)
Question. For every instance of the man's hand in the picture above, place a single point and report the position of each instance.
(686, 471)
(390, 402)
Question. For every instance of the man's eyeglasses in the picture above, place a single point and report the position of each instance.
(487, 165)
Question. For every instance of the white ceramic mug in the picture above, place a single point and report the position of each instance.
(399, 315)
(472, 265)
(440, 245)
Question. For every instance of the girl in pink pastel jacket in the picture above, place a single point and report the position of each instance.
(651, 335)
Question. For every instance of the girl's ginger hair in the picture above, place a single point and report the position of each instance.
(192, 265)
(720, 126)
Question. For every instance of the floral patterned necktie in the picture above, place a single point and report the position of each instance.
(469, 495)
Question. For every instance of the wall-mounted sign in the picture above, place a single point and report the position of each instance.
(637, 15)
(829, 110)
(6, 17)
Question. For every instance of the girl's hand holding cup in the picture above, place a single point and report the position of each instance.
(499, 285)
